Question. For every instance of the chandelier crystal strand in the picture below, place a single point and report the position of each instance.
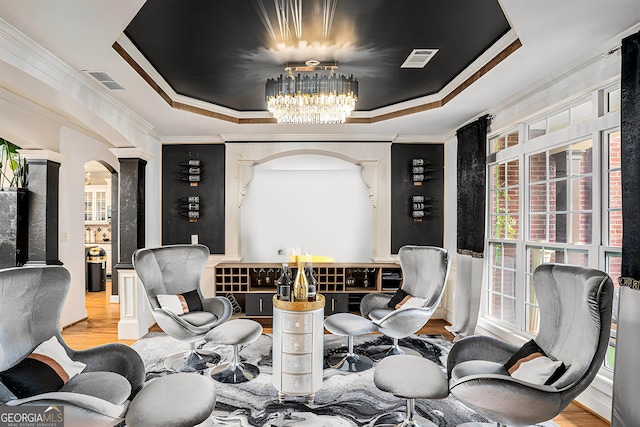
(317, 99)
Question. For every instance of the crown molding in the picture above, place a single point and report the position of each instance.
(32, 59)
(132, 153)
(43, 155)
(308, 137)
(495, 54)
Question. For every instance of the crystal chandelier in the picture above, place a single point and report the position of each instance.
(317, 99)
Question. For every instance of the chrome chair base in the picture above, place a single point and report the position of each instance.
(391, 420)
(192, 361)
(379, 353)
(230, 373)
(350, 362)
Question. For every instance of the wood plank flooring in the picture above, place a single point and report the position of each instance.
(102, 327)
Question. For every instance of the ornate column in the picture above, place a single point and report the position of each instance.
(135, 318)
(44, 183)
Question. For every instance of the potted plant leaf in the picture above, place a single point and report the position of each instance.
(14, 174)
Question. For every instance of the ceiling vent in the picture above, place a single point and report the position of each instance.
(418, 58)
(105, 79)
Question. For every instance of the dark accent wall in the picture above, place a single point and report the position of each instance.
(176, 227)
(404, 230)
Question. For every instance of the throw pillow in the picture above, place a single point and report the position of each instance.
(46, 369)
(540, 370)
(545, 370)
(399, 296)
(411, 302)
(530, 350)
(182, 303)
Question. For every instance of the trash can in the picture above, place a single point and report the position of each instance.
(96, 269)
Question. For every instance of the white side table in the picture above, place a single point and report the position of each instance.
(298, 345)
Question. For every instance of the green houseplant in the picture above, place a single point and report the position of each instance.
(13, 169)
(14, 199)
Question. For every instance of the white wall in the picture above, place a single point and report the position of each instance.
(79, 149)
(374, 158)
(314, 202)
(153, 196)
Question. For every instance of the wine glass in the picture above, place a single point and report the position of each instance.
(350, 280)
(365, 279)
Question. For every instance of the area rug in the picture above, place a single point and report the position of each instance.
(346, 399)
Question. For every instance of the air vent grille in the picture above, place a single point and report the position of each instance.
(418, 58)
(104, 78)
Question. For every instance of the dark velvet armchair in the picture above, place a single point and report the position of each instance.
(31, 301)
(575, 318)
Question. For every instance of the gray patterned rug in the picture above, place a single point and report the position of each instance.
(346, 399)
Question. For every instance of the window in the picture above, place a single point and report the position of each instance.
(560, 194)
(613, 100)
(504, 213)
(505, 200)
(556, 199)
(614, 207)
(568, 117)
(501, 142)
(612, 235)
(502, 289)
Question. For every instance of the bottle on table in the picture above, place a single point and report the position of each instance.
(283, 284)
(313, 283)
(301, 285)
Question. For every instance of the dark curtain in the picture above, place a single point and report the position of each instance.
(472, 157)
(626, 411)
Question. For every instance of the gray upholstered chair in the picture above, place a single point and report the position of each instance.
(575, 317)
(175, 270)
(31, 301)
(424, 270)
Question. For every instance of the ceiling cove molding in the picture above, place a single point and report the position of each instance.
(420, 139)
(29, 57)
(26, 107)
(132, 153)
(308, 138)
(500, 50)
(172, 140)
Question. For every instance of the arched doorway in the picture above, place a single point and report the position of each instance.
(101, 219)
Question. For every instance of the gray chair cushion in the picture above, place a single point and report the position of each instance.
(235, 332)
(177, 269)
(109, 386)
(477, 367)
(379, 313)
(349, 324)
(411, 377)
(200, 318)
(178, 400)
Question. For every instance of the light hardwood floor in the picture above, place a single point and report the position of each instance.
(102, 327)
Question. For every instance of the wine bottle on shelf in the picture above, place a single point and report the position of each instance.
(191, 199)
(300, 285)
(190, 162)
(313, 283)
(283, 284)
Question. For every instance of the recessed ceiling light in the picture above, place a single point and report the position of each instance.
(418, 58)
